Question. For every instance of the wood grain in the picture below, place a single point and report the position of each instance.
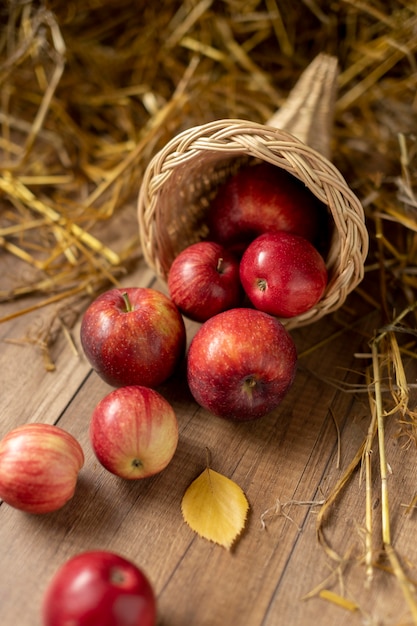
(287, 463)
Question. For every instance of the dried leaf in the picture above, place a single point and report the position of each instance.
(215, 507)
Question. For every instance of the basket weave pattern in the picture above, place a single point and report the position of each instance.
(182, 178)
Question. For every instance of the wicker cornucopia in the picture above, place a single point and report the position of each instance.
(182, 179)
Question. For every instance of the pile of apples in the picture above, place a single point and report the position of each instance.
(265, 228)
(259, 264)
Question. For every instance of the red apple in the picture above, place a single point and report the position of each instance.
(240, 364)
(39, 465)
(133, 336)
(283, 274)
(134, 432)
(263, 198)
(99, 588)
(204, 280)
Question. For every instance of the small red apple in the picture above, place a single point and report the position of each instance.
(134, 432)
(283, 274)
(204, 280)
(133, 336)
(99, 588)
(39, 466)
(240, 364)
(263, 198)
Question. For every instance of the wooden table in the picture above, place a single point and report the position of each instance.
(287, 463)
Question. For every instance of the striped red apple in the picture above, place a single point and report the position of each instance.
(264, 198)
(283, 274)
(240, 364)
(204, 280)
(134, 432)
(39, 466)
(133, 336)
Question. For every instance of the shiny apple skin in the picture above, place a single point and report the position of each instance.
(134, 432)
(204, 280)
(39, 466)
(240, 364)
(141, 346)
(283, 274)
(99, 588)
(264, 198)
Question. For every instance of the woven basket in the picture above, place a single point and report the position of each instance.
(182, 179)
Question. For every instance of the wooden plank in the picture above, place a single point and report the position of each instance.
(379, 599)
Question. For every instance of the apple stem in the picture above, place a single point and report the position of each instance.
(127, 302)
(219, 267)
(262, 284)
(250, 385)
(117, 577)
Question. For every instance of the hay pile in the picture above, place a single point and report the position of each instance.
(91, 90)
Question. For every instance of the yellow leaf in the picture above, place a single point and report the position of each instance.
(215, 507)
